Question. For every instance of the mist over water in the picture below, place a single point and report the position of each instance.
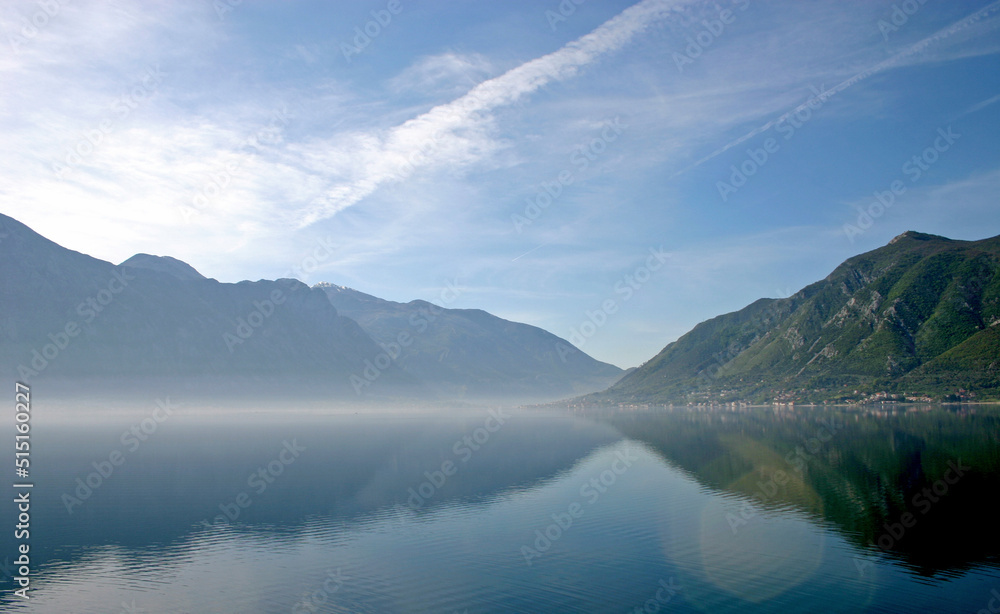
(489, 509)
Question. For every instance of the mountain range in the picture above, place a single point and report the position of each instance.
(69, 317)
(470, 351)
(917, 319)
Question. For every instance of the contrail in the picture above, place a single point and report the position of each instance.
(397, 153)
(826, 95)
(529, 251)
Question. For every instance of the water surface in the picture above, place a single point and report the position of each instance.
(674, 511)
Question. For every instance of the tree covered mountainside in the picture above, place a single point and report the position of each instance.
(916, 319)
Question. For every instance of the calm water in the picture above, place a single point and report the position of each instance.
(656, 511)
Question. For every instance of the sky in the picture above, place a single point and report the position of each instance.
(613, 172)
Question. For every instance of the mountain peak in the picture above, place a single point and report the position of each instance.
(325, 285)
(911, 320)
(347, 298)
(917, 236)
(163, 264)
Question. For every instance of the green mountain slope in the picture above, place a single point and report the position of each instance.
(917, 317)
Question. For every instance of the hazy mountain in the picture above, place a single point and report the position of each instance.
(163, 264)
(67, 315)
(917, 317)
(469, 351)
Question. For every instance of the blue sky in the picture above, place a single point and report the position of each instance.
(535, 154)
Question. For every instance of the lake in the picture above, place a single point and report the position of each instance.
(500, 510)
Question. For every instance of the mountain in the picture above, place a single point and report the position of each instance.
(67, 316)
(163, 264)
(471, 352)
(917, 318)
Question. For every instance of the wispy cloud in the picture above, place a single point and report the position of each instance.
(456, 133)
(447, 71)
(979, 106)
(416, 161)
(896, 60)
